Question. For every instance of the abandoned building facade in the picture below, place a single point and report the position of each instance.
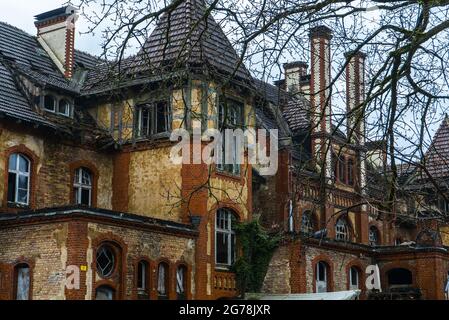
(87, 183)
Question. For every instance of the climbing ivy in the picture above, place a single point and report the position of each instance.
(257, 248)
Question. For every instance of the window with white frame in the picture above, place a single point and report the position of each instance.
(19, 179)
(353, 278)
(321, 275)
(342, 231)
(230, 116)
(225, 237)
(181, 282)
(49, 103)
(83, 186)
(64, 107)
(307, 222)
(56, 105)
(162, 281)
(152, 118)
(373, 236)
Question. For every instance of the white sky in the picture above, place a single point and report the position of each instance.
(20, 13)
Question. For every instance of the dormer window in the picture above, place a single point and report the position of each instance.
(64, 107)
(57, 105)
(49, 103)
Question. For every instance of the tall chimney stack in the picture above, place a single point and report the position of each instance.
(294, 71)
(56, 34)
(355, 96)
(320, 101)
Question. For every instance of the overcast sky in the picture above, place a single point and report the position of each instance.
(20, 13)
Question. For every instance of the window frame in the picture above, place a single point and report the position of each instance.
(373, 230)
(55, 103)
(152, 122)
(18, 174)
(115, 261)
(237, 117)
(350, 171)
(182, 295)
(351, 278)
(229, 234)
(342, 235)
(310, 222)
(79, 186)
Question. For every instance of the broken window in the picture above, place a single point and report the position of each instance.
(373, 236)
(18, 179)
(162, 281)
(342, 231)
(104, 293)
(152, 118)
(105, 261)
(181, 282)
(353, 278)
(49, 103)
(321, 277)
(83, 187)
(142, 278)
(230, 116)
(22, 282)
(225, 237)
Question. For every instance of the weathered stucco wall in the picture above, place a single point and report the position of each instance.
(155, 184)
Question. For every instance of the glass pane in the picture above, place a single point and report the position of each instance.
(161, 280)
(22, 196)
(23, 283)
(86, 178)
(85, 197)
(23, 164)
(23, 182)
(13, 162)
(145, 125)
(63, 107)
(77, 197)
(222, 248)
(12, 187)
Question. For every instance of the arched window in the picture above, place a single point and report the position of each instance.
(373, 236)
(321, 276)
(64, 107)
(162, 281)
(22, 281)
(82, 186)
(342, 231)
(19, 179)
(104, 293)
(142, 279)
(106, 261)
(181, 282)
(307, 222)
(354, 281)
(225, 237)
(49, 103)
(350, 172)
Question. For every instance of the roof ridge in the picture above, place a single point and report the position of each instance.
(18, 29)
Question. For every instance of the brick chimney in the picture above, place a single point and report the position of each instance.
(56, 34)
(320, 94)
(294, 71)
(355, 95)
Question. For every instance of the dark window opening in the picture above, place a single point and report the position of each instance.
(142, 280)
(49, 103)
(400, 277)
(104, 293)
(351, 172)
(152, 119)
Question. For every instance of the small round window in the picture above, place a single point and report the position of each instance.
(105, 261)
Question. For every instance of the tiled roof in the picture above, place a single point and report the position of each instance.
(436, 159)
(186, 37)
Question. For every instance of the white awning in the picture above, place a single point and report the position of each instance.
(339, 295)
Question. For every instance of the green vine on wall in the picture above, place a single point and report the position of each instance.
(257, 248)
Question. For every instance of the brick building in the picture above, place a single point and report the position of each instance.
(89, 188)
(329, 195)
(85, 162)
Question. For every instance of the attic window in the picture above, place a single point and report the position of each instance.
(49, 103)
(64, 107)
